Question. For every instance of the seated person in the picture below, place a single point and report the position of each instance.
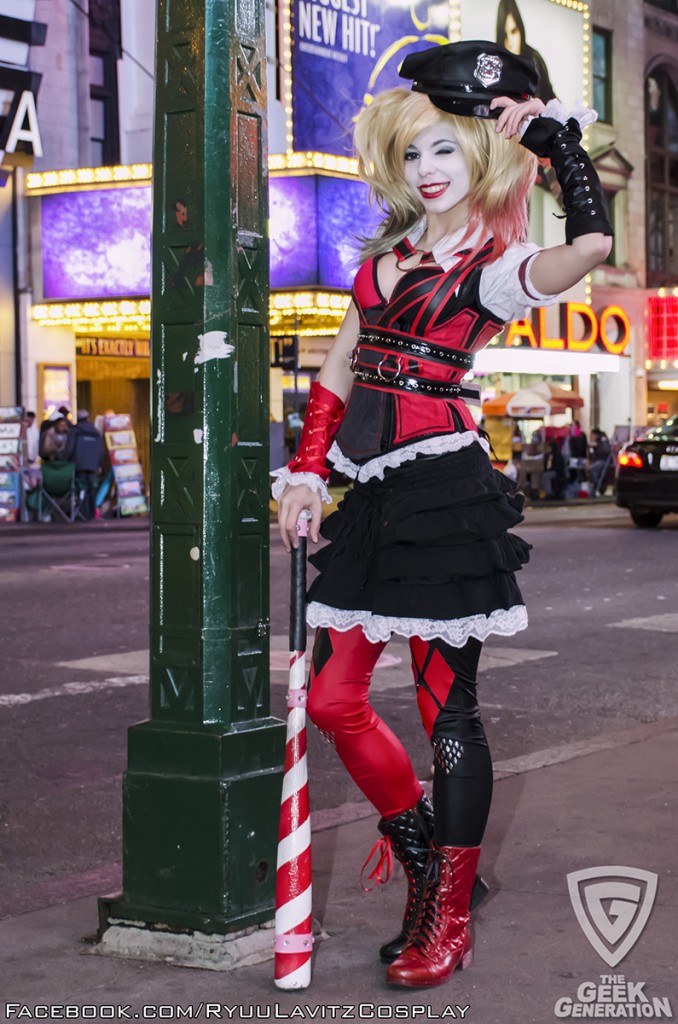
(553, 478)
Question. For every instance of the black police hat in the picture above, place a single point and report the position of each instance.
(463, 78)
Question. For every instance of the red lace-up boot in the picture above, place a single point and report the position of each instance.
(441, 940)
(411, 837)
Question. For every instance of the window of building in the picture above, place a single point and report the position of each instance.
(103, 110)
(666, 5)
(661, 117)
(104, 43)
(602, 74)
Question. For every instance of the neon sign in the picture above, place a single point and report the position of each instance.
(609, 330)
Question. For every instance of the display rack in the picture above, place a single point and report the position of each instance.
(11, 457)
(121, 445)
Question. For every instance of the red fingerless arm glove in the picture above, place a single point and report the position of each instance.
(324, 413)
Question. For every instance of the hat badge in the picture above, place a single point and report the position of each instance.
(488, 69)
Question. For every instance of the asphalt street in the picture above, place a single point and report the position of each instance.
(599, 658)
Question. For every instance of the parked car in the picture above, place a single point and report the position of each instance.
(646, 479)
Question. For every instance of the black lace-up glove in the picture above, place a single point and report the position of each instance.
(583, 197)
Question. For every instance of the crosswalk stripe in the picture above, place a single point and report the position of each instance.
(12, 700)
(666, 623)
(491, 658)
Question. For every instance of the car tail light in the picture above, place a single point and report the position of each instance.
(631, 459)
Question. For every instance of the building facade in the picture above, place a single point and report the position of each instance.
(74, 227)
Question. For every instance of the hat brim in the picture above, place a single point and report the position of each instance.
(468, 104)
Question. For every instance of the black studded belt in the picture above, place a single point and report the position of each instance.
(392, 377)
(417, 348)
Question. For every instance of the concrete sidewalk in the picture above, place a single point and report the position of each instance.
(608, 802)
(128, 524)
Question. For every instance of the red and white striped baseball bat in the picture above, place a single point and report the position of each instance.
(293, 920)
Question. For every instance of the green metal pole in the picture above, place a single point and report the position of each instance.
(202, 790)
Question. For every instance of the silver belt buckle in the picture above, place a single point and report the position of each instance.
(397, 372)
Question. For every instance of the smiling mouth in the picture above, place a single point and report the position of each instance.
(433, 191)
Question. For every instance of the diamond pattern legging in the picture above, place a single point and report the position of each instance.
(445, 679)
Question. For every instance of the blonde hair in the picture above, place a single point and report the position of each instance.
(501, 172)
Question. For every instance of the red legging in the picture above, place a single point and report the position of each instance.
(338, 704)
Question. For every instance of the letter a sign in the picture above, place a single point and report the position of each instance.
(612, 905)
(23, 127)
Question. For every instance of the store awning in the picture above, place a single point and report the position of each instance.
(533, 403)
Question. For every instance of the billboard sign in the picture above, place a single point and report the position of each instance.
(552, 34)
(343, 51)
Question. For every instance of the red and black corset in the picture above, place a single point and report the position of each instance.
(412, 353)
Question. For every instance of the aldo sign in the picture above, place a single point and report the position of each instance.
(581, 330)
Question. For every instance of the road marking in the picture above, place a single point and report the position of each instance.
(491, 658)
(131, 666)
(136, 662)
(121, 663)
(582, 748)
(666, 623)
(11, 700)
(280, 661)
(87, 567)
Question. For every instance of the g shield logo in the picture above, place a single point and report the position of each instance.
(612, 905)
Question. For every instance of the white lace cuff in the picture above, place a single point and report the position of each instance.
(283, 477)
(555, 109)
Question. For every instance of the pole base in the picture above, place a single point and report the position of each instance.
(143, 940)
(200, 820)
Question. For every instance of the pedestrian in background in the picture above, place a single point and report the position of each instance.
(53, 439)
(553, 477)
(85, 447)
(600, 457)
(576, 442)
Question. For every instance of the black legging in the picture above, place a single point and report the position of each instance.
(339, 706)
(462, 778)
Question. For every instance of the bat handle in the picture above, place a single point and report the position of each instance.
(298, 585)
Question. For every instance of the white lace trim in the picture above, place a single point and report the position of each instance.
(440, 445)
(585, 115)
(455, 632)
(556, 110)
(283, 477)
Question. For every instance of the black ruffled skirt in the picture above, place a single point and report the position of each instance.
(425, 551)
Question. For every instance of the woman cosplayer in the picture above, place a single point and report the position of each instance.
(419, 546)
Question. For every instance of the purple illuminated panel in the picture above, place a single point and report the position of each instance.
(294, 232)
(345, 217)
(314, 223)
(97, 244)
